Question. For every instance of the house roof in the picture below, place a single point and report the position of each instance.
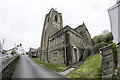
(65, 28)
(32, 50)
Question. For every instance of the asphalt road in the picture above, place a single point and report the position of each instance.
(27, 68)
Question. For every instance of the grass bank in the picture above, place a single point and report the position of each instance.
(91, 68)
(54, 67)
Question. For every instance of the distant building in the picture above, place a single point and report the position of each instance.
(63, 45)
(37, 52)
(32, 52)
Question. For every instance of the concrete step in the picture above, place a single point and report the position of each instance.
(77, 64)
(64, 73)
(71, 68)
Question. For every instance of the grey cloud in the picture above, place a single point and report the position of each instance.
(21, 21)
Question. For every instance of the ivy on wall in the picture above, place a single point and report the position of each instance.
(114, 48)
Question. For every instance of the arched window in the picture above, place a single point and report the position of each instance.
(56, 18)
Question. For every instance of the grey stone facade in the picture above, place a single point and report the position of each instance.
(32, 52)
(107, 61)
(63, 45)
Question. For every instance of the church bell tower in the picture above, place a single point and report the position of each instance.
(52, 24)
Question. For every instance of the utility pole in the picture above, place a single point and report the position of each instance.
(65, 44)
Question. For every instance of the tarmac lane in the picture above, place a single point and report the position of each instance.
(27, 68)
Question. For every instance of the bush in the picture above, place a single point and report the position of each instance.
(98, 39)
(108, 38)
(13, 52)
(98, 46)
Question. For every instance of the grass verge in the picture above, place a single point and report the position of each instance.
(91, 68)
(52, 66)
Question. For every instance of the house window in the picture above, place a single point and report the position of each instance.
(55, 55)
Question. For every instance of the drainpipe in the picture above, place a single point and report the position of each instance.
(65, 45)
(47, 50)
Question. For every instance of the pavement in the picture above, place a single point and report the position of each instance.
(27, 68)
(71, 68)
(64, 73)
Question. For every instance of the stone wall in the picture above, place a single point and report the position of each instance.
(69, 46)
(76, 43)
(56, 47)
(52, 24)
(107, 61)
(56, 56)
(82, 30)
(62, 45)
(119, 55)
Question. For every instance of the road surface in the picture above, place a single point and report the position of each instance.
(27, 68)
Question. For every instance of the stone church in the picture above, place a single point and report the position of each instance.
(63, 45)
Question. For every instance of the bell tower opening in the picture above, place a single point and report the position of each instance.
(56, 19)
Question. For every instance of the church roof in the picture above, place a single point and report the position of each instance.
(67, 28)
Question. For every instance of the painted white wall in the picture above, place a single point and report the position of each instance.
(114, 14)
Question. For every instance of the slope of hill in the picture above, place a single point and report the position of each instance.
(91, 68)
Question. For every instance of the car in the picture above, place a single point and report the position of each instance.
(34, 55)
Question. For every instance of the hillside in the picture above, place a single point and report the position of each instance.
(52, 66)
(91, 68)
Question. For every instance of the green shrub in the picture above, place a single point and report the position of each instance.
(13, 52)
(98, 46)
(108, 38)
(98, 39)
(114, 77)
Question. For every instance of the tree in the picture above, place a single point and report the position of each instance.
(105, 32)
(109, 37)
(99, 39)
(13, 52)
(98, 46)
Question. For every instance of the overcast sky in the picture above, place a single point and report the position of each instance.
(21, 21)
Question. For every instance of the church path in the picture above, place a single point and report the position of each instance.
(27, 68)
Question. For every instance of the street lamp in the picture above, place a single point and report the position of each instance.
(114, 14)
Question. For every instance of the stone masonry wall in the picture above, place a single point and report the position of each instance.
(119, 55)
(78, 43)
(107, 61)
